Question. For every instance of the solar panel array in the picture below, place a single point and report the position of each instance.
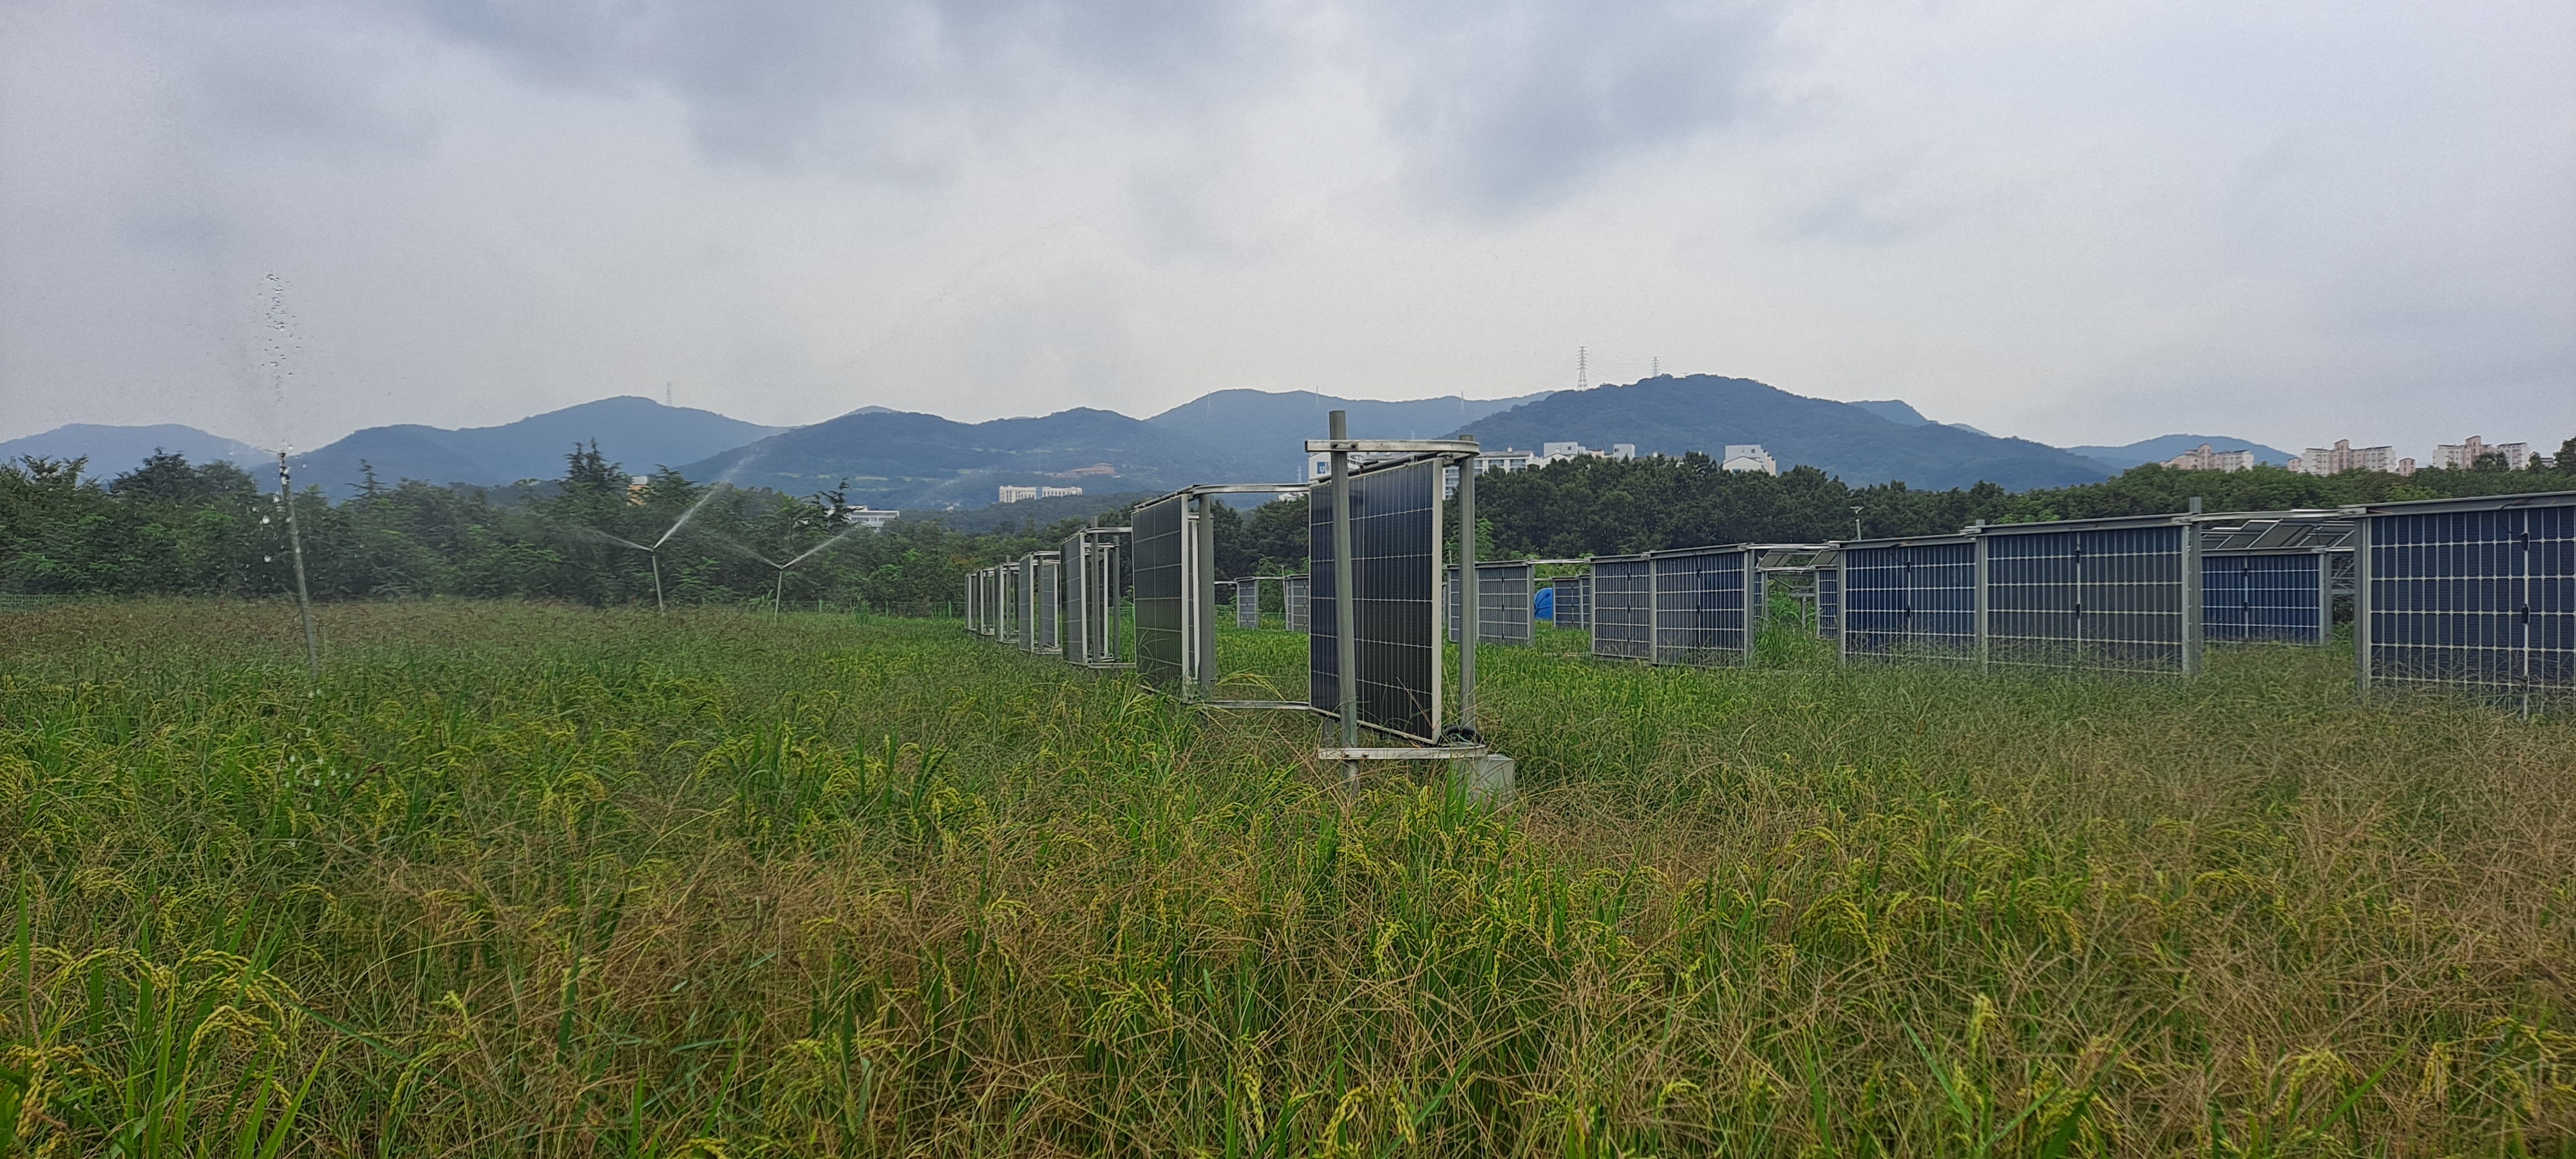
(1623, 607)
(1701, 605)
(2271, 597)
(1503, 601)
(1296, 605)
(1908, 600)
(1157, 550)
(1395, 521)
(2116, 598)
(2479, 600)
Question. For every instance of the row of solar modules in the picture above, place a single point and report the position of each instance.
(2477, 595)
(1065, 602)
(1295, 597)
(2472, 595)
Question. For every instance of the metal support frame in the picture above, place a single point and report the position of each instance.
(1200, 674)
(1491, 774)
(2361, 612)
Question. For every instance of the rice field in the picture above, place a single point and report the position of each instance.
(540, 881)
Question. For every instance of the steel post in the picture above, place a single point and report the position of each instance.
(1346, 685)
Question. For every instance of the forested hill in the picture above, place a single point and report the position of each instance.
(1609, 507)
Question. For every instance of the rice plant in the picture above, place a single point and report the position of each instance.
(535, 880)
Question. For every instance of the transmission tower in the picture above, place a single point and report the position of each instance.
(1582, 368)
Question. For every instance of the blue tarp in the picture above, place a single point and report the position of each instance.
(1543, 605)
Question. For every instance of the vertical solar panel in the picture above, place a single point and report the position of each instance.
(1050, 600)
(1296, 603)
(1449, 599)
(1158, 547)
(1909, 601)
(2274, 597)
(1395, 523)
(1247, 603)
(1700, 605)
(1623, 607)
(1102, 620)
(1073, 627)
(2549, 595)
(1503, 593)
(2482, 601)
(1573, 601)
(1011, 617)
(1829, 602)
(2109, 599)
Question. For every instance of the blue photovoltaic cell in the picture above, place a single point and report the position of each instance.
(1394, 524)
(1296, 603)
(1623, 609)
(1700, 606)
(2263, 597)
(2100, 598)
(1909, 601)
(1157, 601)
(2482, 600)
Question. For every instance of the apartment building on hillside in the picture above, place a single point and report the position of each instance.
(2343, 456)
(2463, 455)
(2203, 458)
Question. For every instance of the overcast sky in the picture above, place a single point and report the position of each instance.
(2075, 223)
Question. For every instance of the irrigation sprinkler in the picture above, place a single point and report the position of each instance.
(778, 594)
(303, 592)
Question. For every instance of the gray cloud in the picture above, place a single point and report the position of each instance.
(1514, 105)
(2080, 223)
(888, 87)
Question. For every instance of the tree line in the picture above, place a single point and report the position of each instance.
(594, 536)
(170, 527)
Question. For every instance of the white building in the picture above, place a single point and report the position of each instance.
(2463, 455)
(1567, 452)
(1011, 494)
(1749, 457)
(2204, 459)
(868, 517)
(2343, 456)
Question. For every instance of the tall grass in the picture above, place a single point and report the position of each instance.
(526, 880)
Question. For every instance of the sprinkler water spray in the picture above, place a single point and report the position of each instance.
(303, 593)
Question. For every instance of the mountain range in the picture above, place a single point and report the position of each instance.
(922, 461)
(1674, 415)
